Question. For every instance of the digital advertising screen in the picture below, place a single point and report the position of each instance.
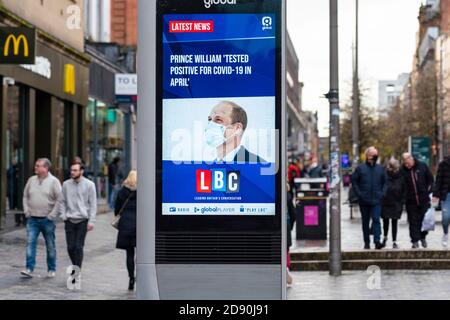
(219, 141)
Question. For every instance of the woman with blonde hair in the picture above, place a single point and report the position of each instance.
(125, 206)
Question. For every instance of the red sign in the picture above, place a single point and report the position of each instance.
(204, 181)
(191, 26)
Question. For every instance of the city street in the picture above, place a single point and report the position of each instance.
(244, 119)
(352, 236)
(104, 271)
(353, 285)
(105, 276)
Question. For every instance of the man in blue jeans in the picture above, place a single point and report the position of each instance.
(370, 184)
(40, 199)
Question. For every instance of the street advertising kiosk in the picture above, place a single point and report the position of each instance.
(211, 219)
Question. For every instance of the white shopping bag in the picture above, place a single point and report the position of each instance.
(429, 220)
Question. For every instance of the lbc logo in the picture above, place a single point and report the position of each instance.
(218, 180)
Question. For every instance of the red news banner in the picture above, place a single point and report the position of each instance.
(191, 26)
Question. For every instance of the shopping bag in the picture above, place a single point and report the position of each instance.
(429, 220)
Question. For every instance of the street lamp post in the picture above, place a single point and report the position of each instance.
(356, 97)
(441, 99)
(335, 182)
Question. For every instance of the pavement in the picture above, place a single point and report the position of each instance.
(361, 285)
(10, 223)
(352, 236)
(374, 284)
(105, 277)
(104, 274)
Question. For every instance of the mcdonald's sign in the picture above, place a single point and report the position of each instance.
(17, 45)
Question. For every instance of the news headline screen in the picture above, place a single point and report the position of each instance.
(219, 122)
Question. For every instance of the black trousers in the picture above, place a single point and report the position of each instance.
(394, 228)
(416, 213)
(20, 218)
(75, 238)
(130, 262)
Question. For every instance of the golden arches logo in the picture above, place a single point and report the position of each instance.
(16, 45)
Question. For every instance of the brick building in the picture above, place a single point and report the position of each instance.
(124, 22)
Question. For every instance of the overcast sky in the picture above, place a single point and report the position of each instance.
(388, 31)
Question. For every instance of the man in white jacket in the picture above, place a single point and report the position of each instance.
(78, 209)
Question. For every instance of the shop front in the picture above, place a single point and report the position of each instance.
(42, 111)
(105, 122)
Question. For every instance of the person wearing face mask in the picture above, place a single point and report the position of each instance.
(226, 127)
(419, 182)
(370, 184)
(314, 171)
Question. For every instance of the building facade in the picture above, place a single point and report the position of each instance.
(389, 92)
(39, 116)
(295, 122)
(111, 40)
(108, 123)
(426, 91)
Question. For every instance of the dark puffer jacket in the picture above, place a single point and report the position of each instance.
(395, 197)
(369, 183)
(442, 185)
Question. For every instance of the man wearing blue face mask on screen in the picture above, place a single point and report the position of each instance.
(226, 127)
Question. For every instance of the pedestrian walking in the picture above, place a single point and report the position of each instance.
(314, 170)
(440, 194)
(419, 182)
(78, 210)
(13, 192)
(40, 199)
(113, 183)
(291, 218)
(293, 173)
(369, 184)
(393, 202)
(126, 206)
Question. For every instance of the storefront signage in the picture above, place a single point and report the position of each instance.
(42, 67)
(17, 45)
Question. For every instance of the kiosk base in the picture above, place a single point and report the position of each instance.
(219, 282)
(147, 283)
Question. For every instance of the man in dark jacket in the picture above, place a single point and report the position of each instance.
(369, 183)
(419, 181)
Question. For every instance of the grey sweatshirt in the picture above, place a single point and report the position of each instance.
(78, 201)
(40, 197)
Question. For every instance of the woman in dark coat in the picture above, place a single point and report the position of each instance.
(393, 201)
(126, 205)
(441, 192)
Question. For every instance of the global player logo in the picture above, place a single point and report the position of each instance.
(209, 3)
(267, 23)
(218, 180)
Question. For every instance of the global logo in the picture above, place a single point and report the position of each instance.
(267, 23)
(206, 210)
(209, 3)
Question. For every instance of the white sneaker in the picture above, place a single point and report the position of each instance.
(445, 240)
(289, 278)
(51, 274)
(27, 273)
